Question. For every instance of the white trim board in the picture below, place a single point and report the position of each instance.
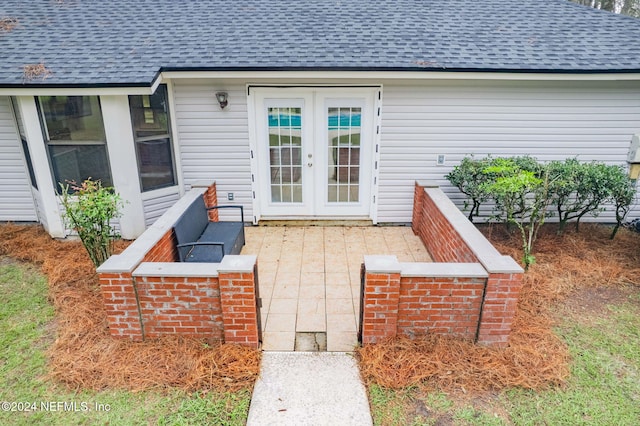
(397, 75)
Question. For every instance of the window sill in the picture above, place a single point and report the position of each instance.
(161, 192)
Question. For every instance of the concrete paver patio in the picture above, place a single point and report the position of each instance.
(309, 278)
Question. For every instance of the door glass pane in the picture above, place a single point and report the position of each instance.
(344, 154)
(285, 154)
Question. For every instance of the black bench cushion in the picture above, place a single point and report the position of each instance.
(194, 229)
(229, 233)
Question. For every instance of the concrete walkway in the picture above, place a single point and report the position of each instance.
(309, 388)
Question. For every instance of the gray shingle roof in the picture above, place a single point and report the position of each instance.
(127, 42)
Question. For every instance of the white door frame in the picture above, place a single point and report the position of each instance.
(314, 100)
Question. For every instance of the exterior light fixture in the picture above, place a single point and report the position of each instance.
(223, 99)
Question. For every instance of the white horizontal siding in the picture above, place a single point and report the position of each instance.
(37, 198)
(156, 206)
(550, 121)
(16, 199)
(420, 120)
(214, 143)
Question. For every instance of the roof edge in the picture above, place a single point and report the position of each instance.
(405, 69)
(152, 83)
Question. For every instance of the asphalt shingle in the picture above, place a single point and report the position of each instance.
(124, 42)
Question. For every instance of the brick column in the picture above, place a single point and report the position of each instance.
(381, 298)
(121, 305)
(499, 306)
(211, 200)
(416, 220)
(237, 276)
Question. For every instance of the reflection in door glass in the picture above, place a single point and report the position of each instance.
(285, 154)
(344, 154)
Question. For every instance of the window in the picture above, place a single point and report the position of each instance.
(152, 136)
(75, 138)
(23, 138)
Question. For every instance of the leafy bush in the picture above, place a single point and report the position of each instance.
(526, 191)
(89, 209)
(469, 178)
(579, 188)
(572, 190)
(622, 193)
(521, 198)
(472, 177)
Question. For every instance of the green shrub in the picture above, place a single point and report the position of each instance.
(89, 209)
(576, 189)
(472, 178)
(572, 190)
(528, 163)
(469, 178)
(521, 198)
(622, 194)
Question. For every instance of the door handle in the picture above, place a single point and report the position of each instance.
(309, 164)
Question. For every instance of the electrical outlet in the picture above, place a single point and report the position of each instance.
(441, 160)
(230, 196)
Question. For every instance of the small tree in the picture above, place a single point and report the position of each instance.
(470, 179)
(521, 198)
(89, 209)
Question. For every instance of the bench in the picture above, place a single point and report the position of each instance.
(199, 240)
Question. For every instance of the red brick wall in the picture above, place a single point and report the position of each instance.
(211, 200)
(440, 305)
(188, 306)
(419, 305)
(380, 305)
(120, 304)
(219, 307)
(499, 309)
(164, 251)
(436, 232)
(473, 308)
(239, 311)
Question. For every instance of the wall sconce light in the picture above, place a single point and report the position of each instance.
(223, 99)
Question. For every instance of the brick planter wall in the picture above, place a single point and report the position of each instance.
(120, 303)
(419, 298)
(164, 250)
(470, 291)
(147, 293)
(437, 232)
(172, 303)
(440, 305)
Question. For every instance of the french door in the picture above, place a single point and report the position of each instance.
(314, 151)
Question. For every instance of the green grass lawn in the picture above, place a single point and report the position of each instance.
(604, 387)
(28, 398)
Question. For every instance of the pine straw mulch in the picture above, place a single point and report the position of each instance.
(84, 356)
(535, 358)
